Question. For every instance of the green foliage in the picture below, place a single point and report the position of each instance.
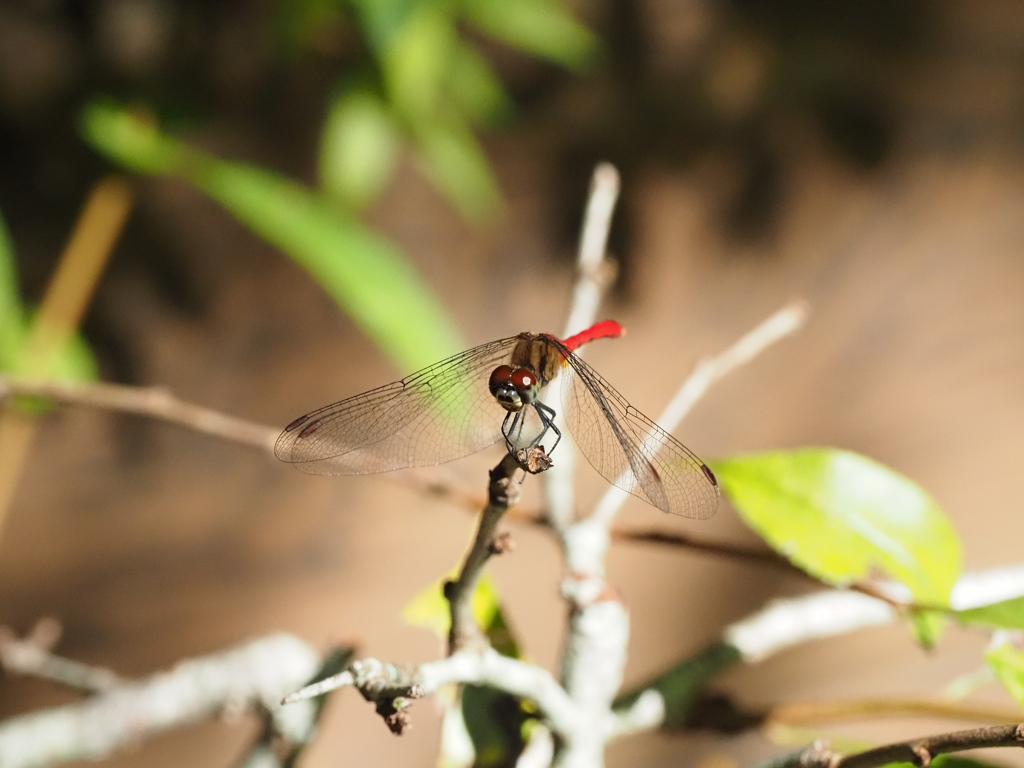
(541, 27)
(13, 325)
(358, 147)
(425, 83)
(74, 362)
(495, 722)
(839, 515)
(1007, 663)
(681, 685)
(367, 276)
(1006, 614)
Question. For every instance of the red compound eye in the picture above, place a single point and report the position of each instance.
(526, 384)
(523, 378)
(500, 377)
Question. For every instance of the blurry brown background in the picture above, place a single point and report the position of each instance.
(864, 155)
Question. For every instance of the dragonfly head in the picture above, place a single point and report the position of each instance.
(514, 387)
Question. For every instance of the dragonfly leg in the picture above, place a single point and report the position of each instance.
(547, 418)
(512, 431)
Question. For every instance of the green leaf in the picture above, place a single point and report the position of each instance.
(454, 161)
(682, 684)
(12, 312)
(1007, 663)
(542, 27)
(366, 276)
(74, 362)
(417, 59)
(476, 89)
(928, 626)
(838, 515)
(1006, 614)
(429, 608)
(358, 148)
(382, 20)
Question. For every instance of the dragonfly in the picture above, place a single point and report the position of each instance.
(491, 393)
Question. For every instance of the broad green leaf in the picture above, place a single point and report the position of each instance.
(1006, 614)
(358, 148)
(542, 27)
(1008, 664)
(366, 275)
(454, 161)
(838, 515)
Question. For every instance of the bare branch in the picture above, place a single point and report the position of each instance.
(32, 656)
(258, 672)
(389, 685)
(154, 402)
(917, 751)
(502, 492)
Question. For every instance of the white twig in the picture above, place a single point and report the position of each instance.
(32, 655)
(591, 263)
(383, 683)
(592, 279)
(783, 624)
(778, 326)
(257, 672)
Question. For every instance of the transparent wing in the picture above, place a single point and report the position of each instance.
(631, 451)
(438, 414)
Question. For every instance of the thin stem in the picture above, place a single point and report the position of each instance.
(807, 713)
(154, 402)
(502, 492)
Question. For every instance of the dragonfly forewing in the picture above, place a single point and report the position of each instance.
(436, 415)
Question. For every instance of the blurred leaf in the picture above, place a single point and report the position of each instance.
(837, 515)
(928, 626)
(429, 609)
(382, 20)
(542, 27)
(1008, 664)
(130, 138)
(367, 276)
(475, 88)
(454, 161)
(417, 59)
(73, 363)
(681, 685)
(12, 313)
(300, 23)
(1006, 614)
(358, 148)
(495, 722)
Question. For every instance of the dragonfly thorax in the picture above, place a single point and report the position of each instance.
(514, 387)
